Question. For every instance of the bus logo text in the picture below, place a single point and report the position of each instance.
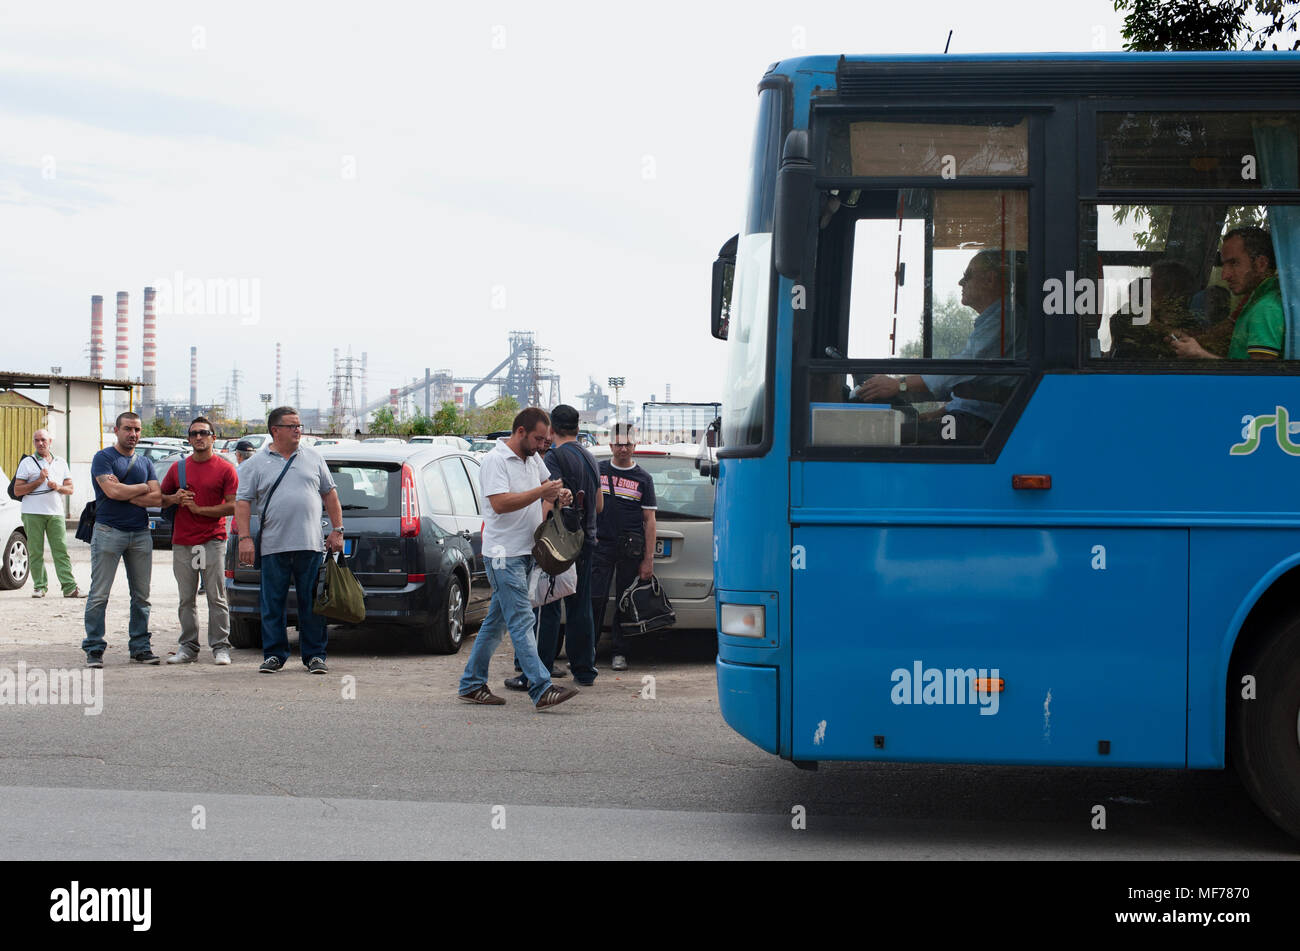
(1281, 423)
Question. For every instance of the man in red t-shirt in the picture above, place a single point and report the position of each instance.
(199, 541)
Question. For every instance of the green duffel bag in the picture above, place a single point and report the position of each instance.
(339, 596)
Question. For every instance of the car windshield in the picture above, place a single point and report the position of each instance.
(681, 492)
(368, 488)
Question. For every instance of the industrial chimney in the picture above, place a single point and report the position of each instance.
(97, 335)
(121, 370)
(149, 397)
(194, 382)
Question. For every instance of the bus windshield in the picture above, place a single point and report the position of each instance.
(745, 394)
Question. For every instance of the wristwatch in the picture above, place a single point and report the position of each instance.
(339, 530)
(902, 384)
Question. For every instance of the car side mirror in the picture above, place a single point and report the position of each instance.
(724, 273)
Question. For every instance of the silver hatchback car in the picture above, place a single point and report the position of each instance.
(683, 530)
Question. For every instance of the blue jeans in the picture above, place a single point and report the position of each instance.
(510, 608)
(578, 632)
(108, 546)
(278, 570)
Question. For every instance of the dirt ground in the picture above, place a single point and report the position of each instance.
(48, 631)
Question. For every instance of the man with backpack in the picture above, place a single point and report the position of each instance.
(40, 483)
(625, 544)
(573, 465)
(202, 486)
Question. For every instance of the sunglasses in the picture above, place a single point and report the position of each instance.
(195, 434)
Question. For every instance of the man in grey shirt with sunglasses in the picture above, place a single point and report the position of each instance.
(290, 540)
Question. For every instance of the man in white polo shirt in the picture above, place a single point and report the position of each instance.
(519, 492)
(42, 480)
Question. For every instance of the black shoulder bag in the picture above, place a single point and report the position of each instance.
(261, 518)
(13, 483)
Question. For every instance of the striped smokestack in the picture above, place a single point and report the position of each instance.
(277, 375)
(97, 335)
(120, 369)
(149, 397)
(194, 382)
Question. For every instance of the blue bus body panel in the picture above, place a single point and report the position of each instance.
(881, 610)
(747, 697)
(950, 566)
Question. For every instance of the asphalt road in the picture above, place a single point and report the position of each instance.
(207, 762)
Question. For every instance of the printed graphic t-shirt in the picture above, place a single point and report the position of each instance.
(633, 490)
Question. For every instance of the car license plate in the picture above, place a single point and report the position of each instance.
(663, 547)
(347, 546)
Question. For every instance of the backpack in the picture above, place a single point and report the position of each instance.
(645, 607)
(169, 512)
(13, 483)
(558, 540)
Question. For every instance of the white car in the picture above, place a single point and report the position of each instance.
(14, 566)
(455, 442)
(683, 530)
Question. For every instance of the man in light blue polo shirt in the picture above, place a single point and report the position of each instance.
(519, 492)
(991, 338)
(288, 484)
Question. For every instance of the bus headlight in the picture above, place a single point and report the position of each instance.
(744, 620)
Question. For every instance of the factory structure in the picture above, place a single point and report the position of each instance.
(525, 374)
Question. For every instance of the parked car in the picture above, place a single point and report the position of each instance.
(480, 447)
(382, 440)
(413, 522)
(683, 530)
(335, 441)
(456, 442)
(15, 565)
(257, 439)
(156, 452)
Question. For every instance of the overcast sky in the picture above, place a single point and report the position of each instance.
(410, 180)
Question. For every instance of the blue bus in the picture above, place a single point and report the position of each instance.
(1011, 420)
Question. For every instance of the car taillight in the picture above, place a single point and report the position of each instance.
(230, 573)
(410, 505)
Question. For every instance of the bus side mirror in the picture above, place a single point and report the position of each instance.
(724, 273)
(794, 204)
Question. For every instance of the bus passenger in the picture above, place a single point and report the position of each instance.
(1250, 271)
(982, 288)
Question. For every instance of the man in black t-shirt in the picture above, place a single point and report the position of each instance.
(625, 534)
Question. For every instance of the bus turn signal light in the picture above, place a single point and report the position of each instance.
(1031, 482)
(743, 620)
(987, 685)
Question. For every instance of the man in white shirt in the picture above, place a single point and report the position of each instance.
(519, 492)
(42, 480)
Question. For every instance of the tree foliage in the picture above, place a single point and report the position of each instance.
(1164, 25)
(952, 325)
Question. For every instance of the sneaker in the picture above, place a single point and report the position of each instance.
(74, 593)
(95, 660)
(182, 657)
(38, 594)
(555, 695)
(482, 695)
(221, 657)
(618, 663)
(317, 666)
(146, 657)
(516, 683)
(559, 672)
(270, 665)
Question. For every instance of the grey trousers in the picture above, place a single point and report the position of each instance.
(188, 562)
